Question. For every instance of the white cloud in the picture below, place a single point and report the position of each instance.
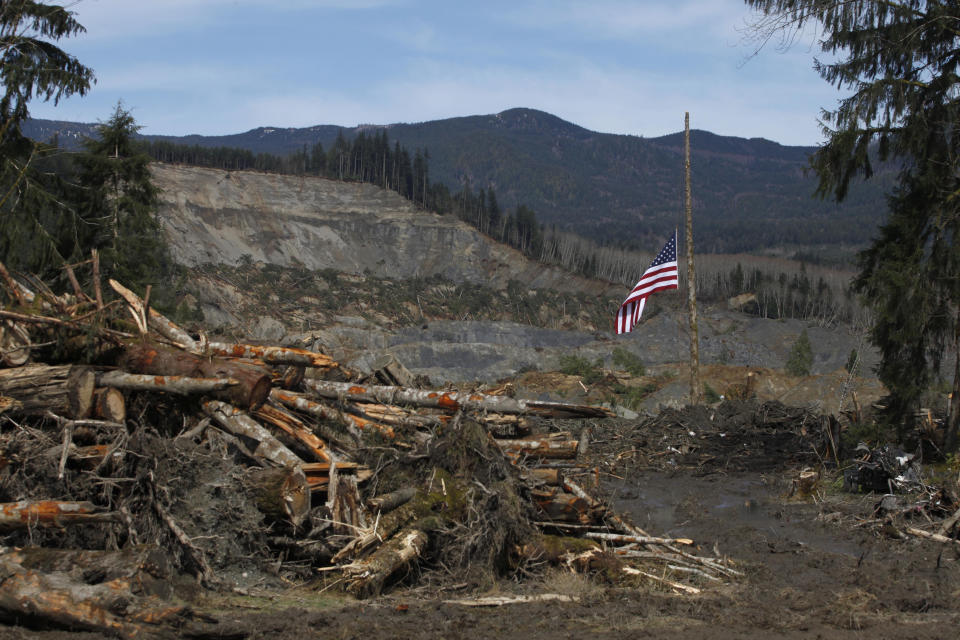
(112, 19)
(627, 19)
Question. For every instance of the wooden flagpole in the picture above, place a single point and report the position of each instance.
(696, 391)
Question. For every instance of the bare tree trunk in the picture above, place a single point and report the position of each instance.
(65, 390)
(696, 390)
(253, 382)
(50, 513)
(953, 424)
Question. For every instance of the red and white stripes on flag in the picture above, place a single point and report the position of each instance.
(662, 274)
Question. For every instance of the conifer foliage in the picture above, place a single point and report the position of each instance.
(121, 201)
(899, 60)
(36, 229)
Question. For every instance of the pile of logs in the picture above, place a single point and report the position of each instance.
(301, 426)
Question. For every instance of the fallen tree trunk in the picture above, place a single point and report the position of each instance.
(272, 355)
(180, 385)
(170, 331)
(369, 577)
(555, 449)
(322, 411)
(296, 431)
(66, 390)
(450, 400)
(390, 501)
(147, 567)
(56, 601)
(250, 392)
(237, 422)
(51, 513)
(280, 494)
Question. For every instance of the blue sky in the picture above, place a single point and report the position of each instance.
(616, 66)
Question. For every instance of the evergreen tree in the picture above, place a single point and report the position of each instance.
(35, 227)
(801, 356)
(495, 214)
(121, 203)
(899, 59)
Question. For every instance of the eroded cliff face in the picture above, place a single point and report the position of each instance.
(216, 216)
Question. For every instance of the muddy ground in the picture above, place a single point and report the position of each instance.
(816, 566)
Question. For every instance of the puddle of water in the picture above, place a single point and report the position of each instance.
(704, 508)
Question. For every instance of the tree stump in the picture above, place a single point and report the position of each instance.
(280, 494)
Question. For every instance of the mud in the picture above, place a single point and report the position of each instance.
(818, 566)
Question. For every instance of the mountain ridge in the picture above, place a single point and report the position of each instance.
(750, 194)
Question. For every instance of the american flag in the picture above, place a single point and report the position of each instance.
(660, 275)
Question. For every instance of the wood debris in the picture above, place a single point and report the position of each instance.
(353, 482)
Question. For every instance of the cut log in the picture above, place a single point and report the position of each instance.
(59, 601)
(272, 355)
(368, 578)
(146, 358)
(171, 331)
(66, 390)
(108, 404)
(146, 566)
(51, 513)
(390, 501)
(357, 424)
(294, 429)
(180, 385)
(396, 416)
(450, 400)
(263, 444)
(280, 494)
(250, 392)
(555, 449)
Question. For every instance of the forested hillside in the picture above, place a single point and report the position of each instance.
(749, 195)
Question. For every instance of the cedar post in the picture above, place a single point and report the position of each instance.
(696, 391)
